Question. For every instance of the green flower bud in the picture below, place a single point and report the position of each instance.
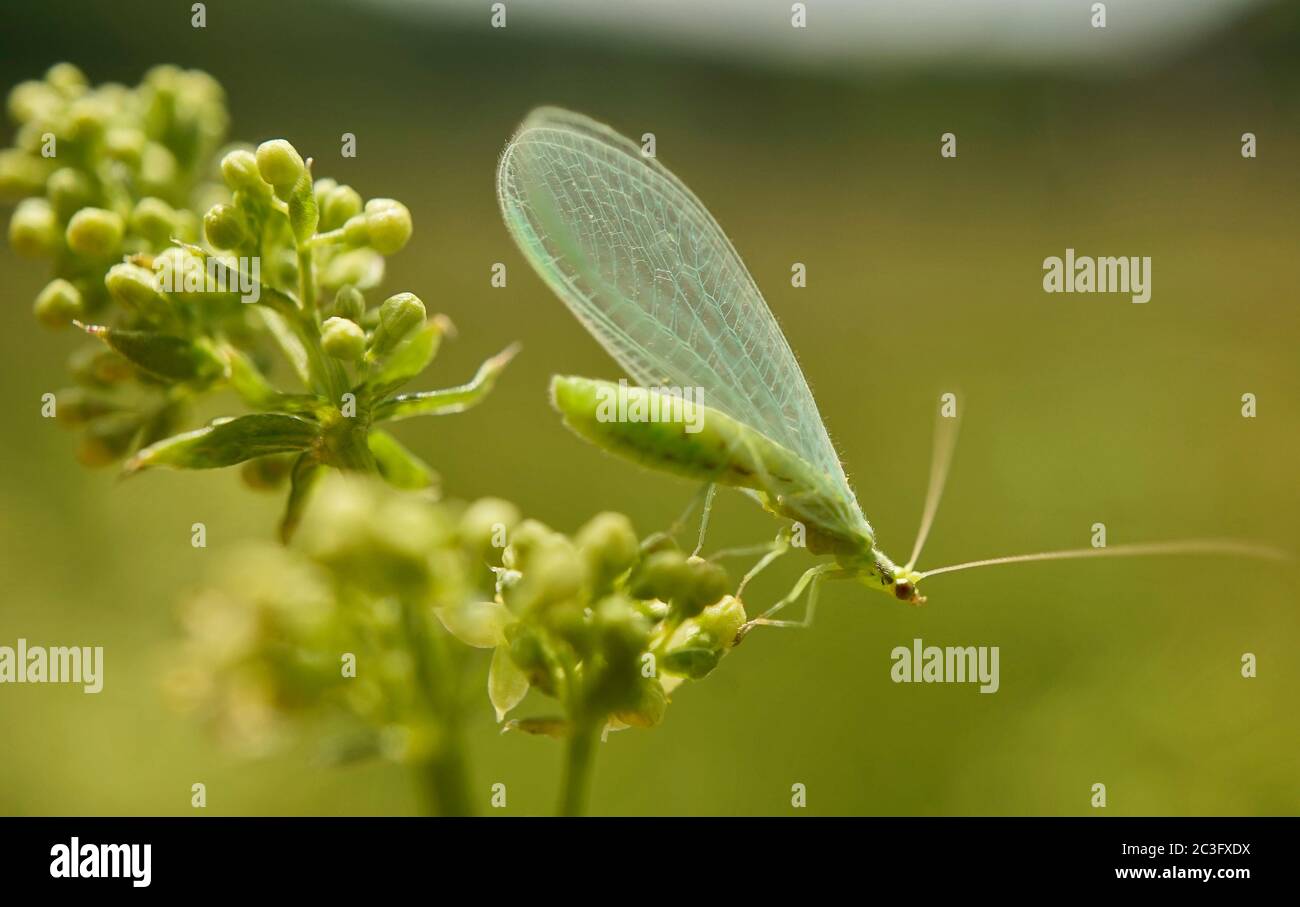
(69, 191)
(399, 316)
(125, 144)
(528, 650)
(66, 79)
(485, 526)
(279, 163)
(662, 575)
(723, 619)
(240, 171)
(552, 572)
(609, 544)
(698, 644)
(88, 118)
(33, 229)
(77, 406)
(649, 702)
(158, 169)
(355, 231)
(95, 233)
(388, 225)
(187, 225)
(323, 187)
(265, 473)
(223, 225)
(33, 100)
(98, 366)
(30, 137)
(155, 220)
(58, 304)
(108, 439)
(695, 660)
(343, 339)
(349, 303)
(381, 540)
(163, 78)
(363, 268)
(339, 205)
(136, 288)
(173, 264)
(20, 174)
(624, 632)
(706, 583)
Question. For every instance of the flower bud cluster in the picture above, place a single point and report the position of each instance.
(195, 268)
(592, 621)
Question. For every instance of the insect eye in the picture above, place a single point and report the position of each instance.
(903, 591)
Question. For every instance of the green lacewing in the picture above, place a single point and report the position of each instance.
(645, 267)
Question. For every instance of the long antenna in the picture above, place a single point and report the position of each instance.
(1185, 546)
(945, 441)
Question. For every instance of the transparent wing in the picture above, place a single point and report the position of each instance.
(645, 267)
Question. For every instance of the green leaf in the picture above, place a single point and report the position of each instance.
(507, 684)
(450, 400)
(307, 471)
(478, 624)
(411, 357)
(161, 355)
(542, 726)
(229, 441)
(399, 467)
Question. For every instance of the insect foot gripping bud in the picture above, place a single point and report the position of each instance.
(95, 233)
(609, 545)
(343, 339)
(279, 163)
(399, 317)
(58, 304)
(706, 582)
(698, 644)
(388, 225)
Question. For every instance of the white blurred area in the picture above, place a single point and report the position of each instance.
(863, 34)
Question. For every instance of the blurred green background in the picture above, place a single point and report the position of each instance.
(924, 276)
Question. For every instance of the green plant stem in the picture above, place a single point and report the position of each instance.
(445, 776)
(307, 280)
(579, 761)
(443, 772)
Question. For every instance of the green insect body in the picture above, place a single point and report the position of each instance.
(709, 446)
(647, 270)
